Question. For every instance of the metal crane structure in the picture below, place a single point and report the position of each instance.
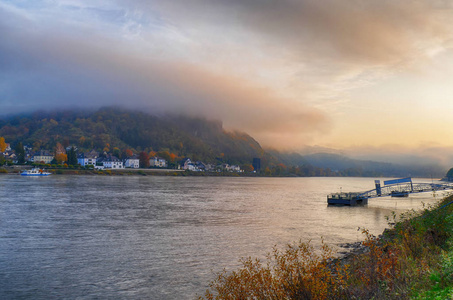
(394, 188)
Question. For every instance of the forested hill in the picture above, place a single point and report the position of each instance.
(196, 138)
(110, 129)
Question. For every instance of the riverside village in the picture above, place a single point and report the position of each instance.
(70, 157)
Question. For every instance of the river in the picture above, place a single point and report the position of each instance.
(153, 237)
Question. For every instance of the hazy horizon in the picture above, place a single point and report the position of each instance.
(367, 78)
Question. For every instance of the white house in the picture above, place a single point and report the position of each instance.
(189, 165)
(88, 158)
(112, 162)
(132, 162)
(229, 168)
(235, 168)
(157, 162)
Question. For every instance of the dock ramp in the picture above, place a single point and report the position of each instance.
(395, 188)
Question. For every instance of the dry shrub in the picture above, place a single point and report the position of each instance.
(298, 272)
(376, 273)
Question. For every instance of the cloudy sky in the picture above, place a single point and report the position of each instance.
(344, 74)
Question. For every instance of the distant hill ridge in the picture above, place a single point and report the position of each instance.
(356, 167)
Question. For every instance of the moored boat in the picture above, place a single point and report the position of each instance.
(35, 172)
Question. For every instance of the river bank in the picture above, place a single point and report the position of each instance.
(122, 172)
(17, 169)
(411, 260)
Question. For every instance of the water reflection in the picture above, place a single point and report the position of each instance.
(163, 237)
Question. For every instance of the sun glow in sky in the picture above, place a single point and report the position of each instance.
(355, 74)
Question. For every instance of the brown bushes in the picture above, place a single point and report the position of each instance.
(400, 265)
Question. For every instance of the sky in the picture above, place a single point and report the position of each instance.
(364, 77)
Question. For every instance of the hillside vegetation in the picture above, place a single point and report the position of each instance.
(197, 138)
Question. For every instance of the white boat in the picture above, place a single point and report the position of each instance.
(35, 172)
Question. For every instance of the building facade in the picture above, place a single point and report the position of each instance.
(157, 162)
(43, 157)
(112, 162)
(88, 158)
(132, 162)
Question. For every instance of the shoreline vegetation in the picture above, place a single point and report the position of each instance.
(61, 170)
(413, 259)
(122, 172)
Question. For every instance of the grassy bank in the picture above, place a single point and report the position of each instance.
(412, 260)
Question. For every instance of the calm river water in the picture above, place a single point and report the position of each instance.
(93, 237)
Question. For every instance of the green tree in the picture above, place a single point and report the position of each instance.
(20, 153)
(117, 152)
(72, 157)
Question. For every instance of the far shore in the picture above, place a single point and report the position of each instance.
(16, 169)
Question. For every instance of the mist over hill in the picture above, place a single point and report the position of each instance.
(193, 137)
(197, 138)
(359, 167)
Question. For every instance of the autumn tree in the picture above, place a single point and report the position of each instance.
(144, 159)
(128, 153)
(173, 157)
(2, 145)
(248, 168)
(61, 158)
(165, 155)
(59, 149)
